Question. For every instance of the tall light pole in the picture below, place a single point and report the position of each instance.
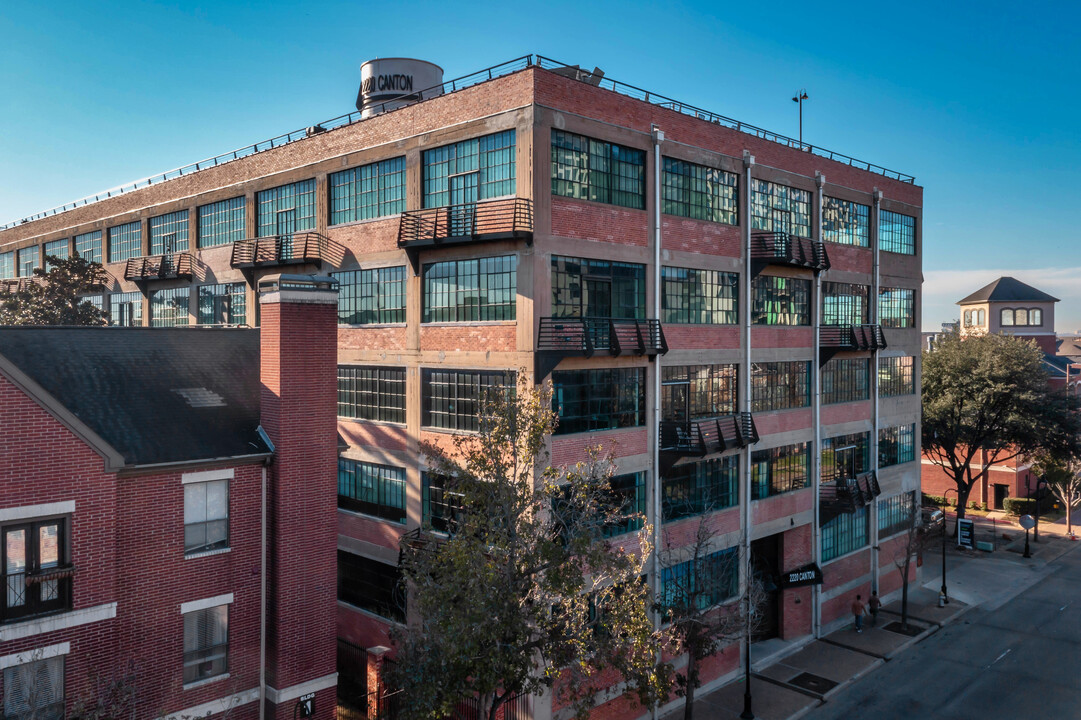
(945, 595)
(799, 98)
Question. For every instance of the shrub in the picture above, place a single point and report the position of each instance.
(1019, 506)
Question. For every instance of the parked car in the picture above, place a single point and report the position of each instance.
(932, 519)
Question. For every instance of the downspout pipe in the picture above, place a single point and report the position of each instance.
(655, 433)
(872, 314)
(816, 394)
(262, 596)
(745, 404)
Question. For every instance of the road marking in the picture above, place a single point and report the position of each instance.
(1004, 654)
(1064, 607)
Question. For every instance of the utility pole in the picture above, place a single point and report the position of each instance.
(799, 98)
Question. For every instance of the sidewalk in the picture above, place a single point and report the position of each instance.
(786, 687)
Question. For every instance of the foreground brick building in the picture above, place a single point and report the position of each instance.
(729, 312)
(153, 483)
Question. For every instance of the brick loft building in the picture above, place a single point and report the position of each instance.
(730, 312)
(167, 516)
(1012, 307)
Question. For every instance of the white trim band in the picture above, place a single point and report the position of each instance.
(292, 693)
(206, 476)
(49, 651)
(63, 621)
(33, 511)
(228, 702)
(193, 605)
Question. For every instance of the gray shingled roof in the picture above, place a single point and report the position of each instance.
(1007, 289)
(156, 395)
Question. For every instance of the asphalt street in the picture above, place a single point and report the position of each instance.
(1018, 659)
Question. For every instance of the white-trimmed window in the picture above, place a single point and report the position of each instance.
(206, 513)
(206, 643)
(34, 690)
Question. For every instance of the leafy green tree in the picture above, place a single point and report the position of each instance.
(525, 593)
(53, 295)
(1063, 478)
(986, 401)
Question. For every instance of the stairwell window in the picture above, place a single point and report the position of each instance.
(844, 303)
(285, 210)
(897, 233)
(846, 222)
(370, 297)
(222, 222)
(470, 171)
(780, 301)
(368, 191)
(845, 533)
(125, 241)
(484, 289)
(702, 297)
(595, 170)
(700, 192)
(206, 516)
(169, 233)
(780, 208)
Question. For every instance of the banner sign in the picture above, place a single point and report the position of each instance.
(807, 575)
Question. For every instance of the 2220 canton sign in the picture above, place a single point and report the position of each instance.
(807, 575)
(376, 83)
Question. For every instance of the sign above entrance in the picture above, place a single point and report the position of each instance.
(809, 574)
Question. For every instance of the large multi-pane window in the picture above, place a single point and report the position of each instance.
(709, 581)
(780, 301)
(34, 689)
(627, 501)
(286, 209)
(780, 385)
(604, 399)
(88, 245)
(31, 551)
(223, 304)
(371, 393)
(701, 487)
(846, 456)
(371, 585)
(221, 223)
(846, 380)
(441, 504)
(367, 192)
(843, 534)
(897, 233)
(29, 258)
(690, 392)
(780, 470)
(1009, 317)
(169, 233)
(590, 169)
(377, 490)
(779, 208)
(702, 297)
(846, 222)
(367, 297)
(453, 399)
(700, 192)
(58, 249)
(583, 287)
(470, 170)
(206, 643)
(471, 290)
(126, 309)
(7, 265)
(206, 516)
(897, 307)
(896, 514)
(896, 445)
(125, 241)
(895, 376)
(844, 303)
(169, 308)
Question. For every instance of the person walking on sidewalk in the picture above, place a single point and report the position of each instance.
(857, 611)
(874, 604)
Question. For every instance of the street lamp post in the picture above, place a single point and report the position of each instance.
(799, 98)
(945, 594)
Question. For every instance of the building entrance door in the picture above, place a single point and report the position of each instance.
(463, 204)
(597, 303)
(765, 565)
(285, 225)
(1001, 493)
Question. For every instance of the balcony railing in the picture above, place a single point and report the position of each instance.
(486, 221)
(26, 594)
(159, 267)
(835, 338)
(847, 495)
(302, 248)
(561, 337)
(782, 248)
(696, 438)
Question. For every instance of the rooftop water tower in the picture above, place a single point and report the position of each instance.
(390, 83)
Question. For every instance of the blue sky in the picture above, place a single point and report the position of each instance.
(978, 100)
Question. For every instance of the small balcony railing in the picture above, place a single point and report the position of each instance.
(835, 338)
(159, 267)
(14, 285)
(612, 336)
(847, 495)
(485, 221)
(302, 248)
(782, 248)
(27, 594)
(696, 438)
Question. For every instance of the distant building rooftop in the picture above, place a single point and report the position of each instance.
(1007, 289)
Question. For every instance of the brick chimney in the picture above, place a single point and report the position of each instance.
(298, 371)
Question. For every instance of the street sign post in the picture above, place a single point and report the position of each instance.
(966, 534)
